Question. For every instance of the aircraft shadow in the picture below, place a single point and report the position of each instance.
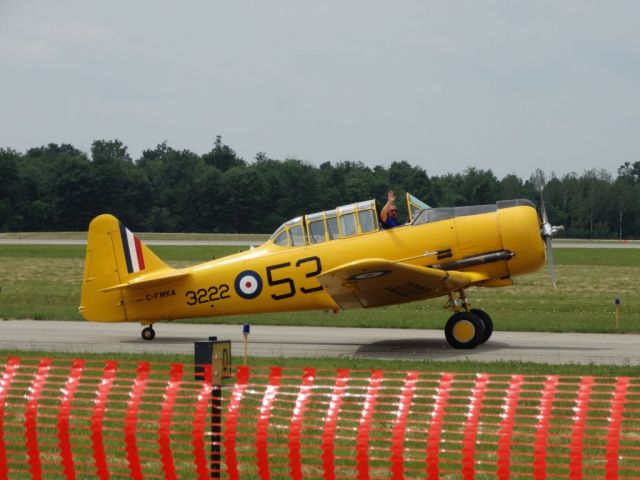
(417, 348)
(439, 346)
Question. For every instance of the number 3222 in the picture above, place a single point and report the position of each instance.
(206, 295)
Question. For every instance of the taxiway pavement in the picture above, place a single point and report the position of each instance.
(77, 337)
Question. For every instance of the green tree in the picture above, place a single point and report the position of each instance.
(449, 186)
(121, 188)
(243, 192)
(9, 189)
(479, 186)
(208, 201)
(630, 172)
(74, 192)
(350, 182)
(404, 177)
(109, 152)
(222, 157)
(472, 187)
(180, 169)
(54, 197)
(292, 187)
(626, 194)
(172, 175)
(511, 187)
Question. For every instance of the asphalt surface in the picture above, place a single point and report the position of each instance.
(311, 342)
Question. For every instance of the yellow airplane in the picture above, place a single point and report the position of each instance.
(331, 260)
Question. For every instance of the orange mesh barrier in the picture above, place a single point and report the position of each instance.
(87, 419)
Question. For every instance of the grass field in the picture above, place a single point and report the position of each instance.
(43, 282)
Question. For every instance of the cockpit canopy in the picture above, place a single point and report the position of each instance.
(342, 222)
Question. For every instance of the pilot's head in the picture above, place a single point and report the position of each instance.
(393, 211)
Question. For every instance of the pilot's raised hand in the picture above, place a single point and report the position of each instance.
(391, 197)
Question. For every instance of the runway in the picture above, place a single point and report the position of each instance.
(311, 342)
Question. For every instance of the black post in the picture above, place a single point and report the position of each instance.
(203, 355)
(216, 437)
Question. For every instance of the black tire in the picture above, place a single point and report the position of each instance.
(148, 333)
(488, 323)
(464, 330)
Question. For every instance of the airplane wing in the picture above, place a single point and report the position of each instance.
(376, 282)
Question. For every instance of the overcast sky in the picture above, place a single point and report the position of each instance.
(504, 85)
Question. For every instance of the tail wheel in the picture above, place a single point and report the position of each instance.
(488, 323)
(148, 333)
(464, 330)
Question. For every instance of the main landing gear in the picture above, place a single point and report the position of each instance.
(467, 327)
(148, 333)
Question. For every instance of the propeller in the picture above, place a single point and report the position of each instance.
(548, 231)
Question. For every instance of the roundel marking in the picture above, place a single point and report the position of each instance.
(368, 275)
(248, 284)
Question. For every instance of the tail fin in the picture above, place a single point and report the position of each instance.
(114, 257)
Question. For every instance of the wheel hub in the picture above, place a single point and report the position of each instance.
(464, 331)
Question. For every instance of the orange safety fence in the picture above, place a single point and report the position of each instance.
(89, 419)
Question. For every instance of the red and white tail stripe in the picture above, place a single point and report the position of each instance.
(132, 250)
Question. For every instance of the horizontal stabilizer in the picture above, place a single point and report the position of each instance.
(155, 278)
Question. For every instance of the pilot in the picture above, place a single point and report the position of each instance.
(389, 213)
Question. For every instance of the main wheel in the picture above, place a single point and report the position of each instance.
(148, 333)
(488, 323)
(464, 330)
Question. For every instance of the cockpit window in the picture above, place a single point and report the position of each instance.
(365, 217)
(282, 239)
(316, 231)
(297, 236)
(348, 224)
(332, 228)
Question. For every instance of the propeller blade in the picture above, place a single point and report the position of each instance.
(547, 232)
(543, 210)
(552, 267)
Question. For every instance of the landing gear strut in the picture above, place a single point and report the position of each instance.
(467, 327)
(148, 333)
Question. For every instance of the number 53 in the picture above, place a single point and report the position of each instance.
(288, 282)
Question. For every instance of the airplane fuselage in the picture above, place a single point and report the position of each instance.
(499, 244)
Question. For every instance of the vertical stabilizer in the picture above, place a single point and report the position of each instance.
(114, 256)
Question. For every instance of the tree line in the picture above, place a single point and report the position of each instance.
(60, 188)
